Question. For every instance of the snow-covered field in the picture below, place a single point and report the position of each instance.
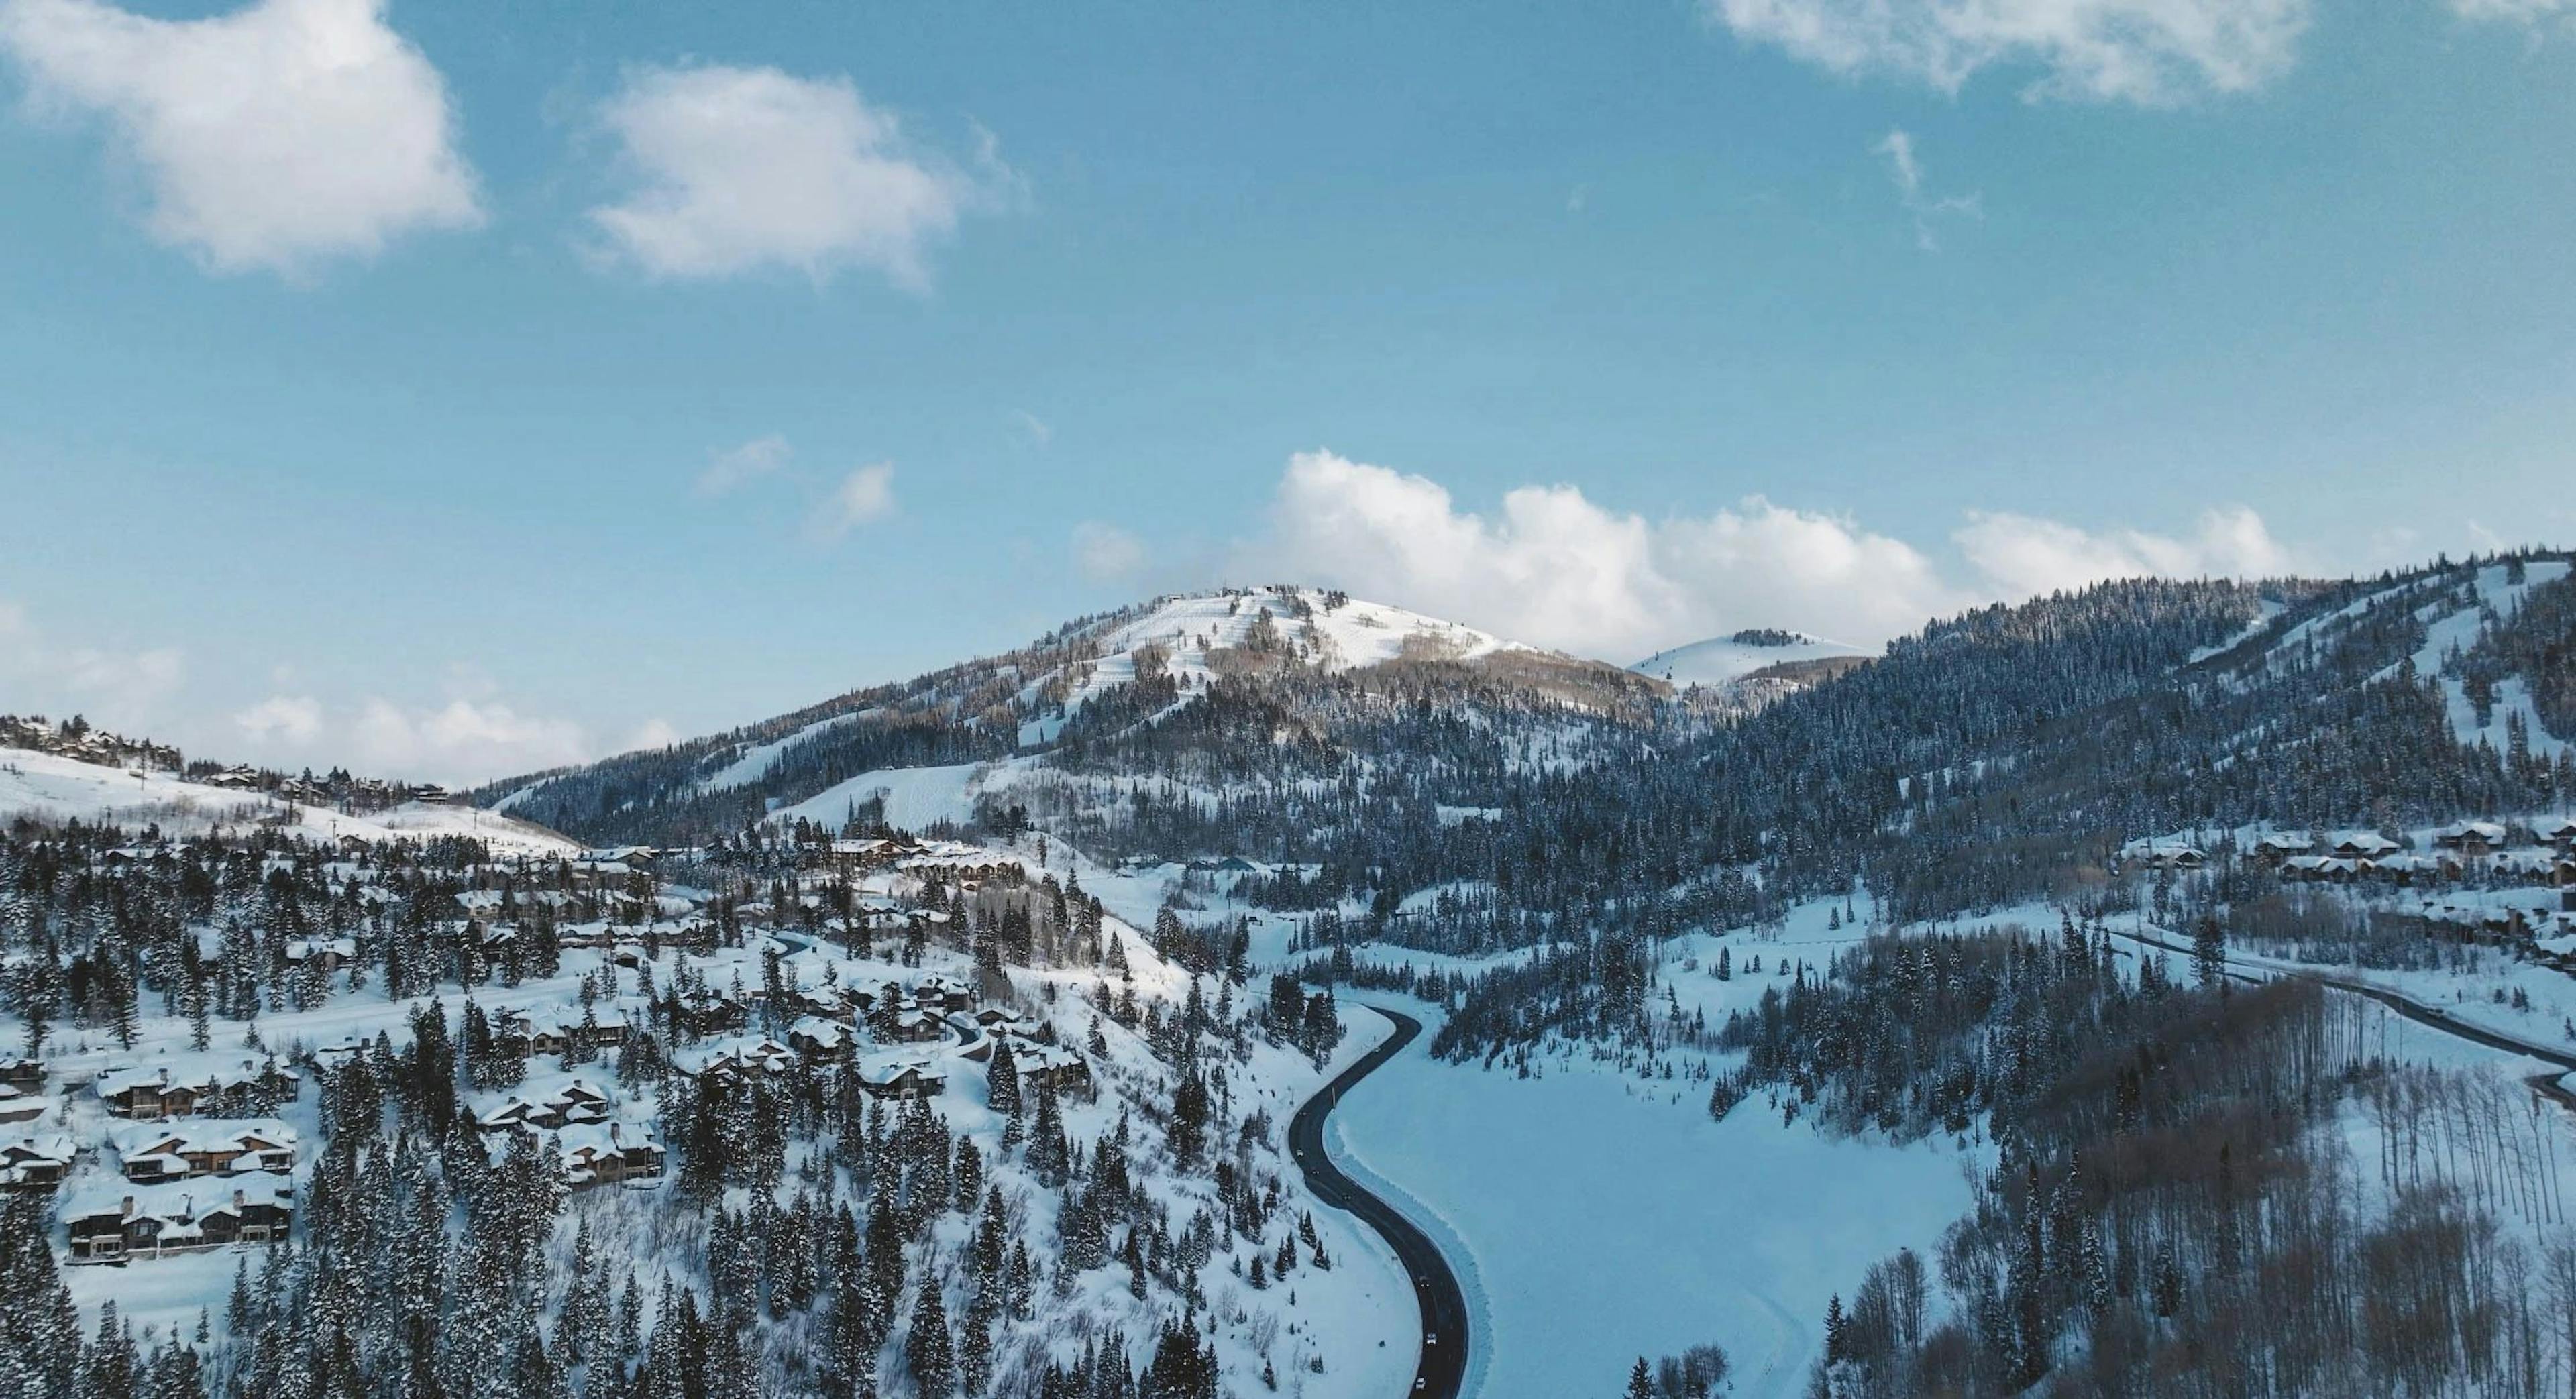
(1723, 660)
(49, 787)
(1606, 1218)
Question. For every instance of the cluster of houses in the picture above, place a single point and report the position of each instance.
(190, 1171)
(144, 1092)
(2458, 850)
(598, 1147)
(111, 1220)
(2508, 873)
(2541, 851)
(933, 1009)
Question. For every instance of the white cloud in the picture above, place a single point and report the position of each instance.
(1040, 431)
(2533, 12)
(738, 466)
(1557, 570)
(1905, 168)
(124, 690)
(274, 138)
(1106, 553)
(652, 733)
(461, 740)
(865, 496)
(293, 719)
(2144, 51)
(739, 169)
(2024, 557)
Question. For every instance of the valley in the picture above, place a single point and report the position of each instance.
(1047, 1025)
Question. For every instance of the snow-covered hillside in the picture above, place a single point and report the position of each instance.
(1725, 659)
(48, 787)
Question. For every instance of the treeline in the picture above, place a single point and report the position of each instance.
(2172, 1210)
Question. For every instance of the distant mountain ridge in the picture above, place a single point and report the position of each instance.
(1440, 786)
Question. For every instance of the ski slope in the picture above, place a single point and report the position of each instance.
(1726, 659)
(48, 787)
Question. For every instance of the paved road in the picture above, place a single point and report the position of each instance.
(2407, 1006)
(1435, 1287)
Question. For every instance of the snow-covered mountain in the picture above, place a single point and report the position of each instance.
(1724, 660)
(930, 748)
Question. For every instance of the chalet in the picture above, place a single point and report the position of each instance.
(152, 1152)
(2559, 831)
(2360, 845)
(628, 857)
(943, 993)
(160, 1091)
(2273, 847)
(863, 854)
(2330, 869)
(901, 1079)
(22, 1072)
(1050, 1064)
(906, 1023)
(2407, 869)
(121, 1220)
(608, 1153)
(332, 953)
(37, 1161)
(535, 1032)
(18, 1107)
(821, 1041)
(743, 1057)
(2163, 855)
(544, 1103)
(2470, 838)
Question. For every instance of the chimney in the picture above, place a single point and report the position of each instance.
(128, 1211)
(239, 1204)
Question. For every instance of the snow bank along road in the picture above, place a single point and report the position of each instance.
(1444, 1304)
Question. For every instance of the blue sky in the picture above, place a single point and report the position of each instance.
(452, 389)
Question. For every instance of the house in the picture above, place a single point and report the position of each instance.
(2360, 845)
(906, 1023)
(119, 1220)
(2331, 869)
(2406, 869)
(22, 1073)
(821, 1041)
(2163, 855)
(152, 1152)
(901, 1079)
(332, 953)
(608, 1153)
(164, 1091)
(543, 1103)
(37, 1161)
(1050, 1064)
(2559, 831)
(534, 1032)
(17, 1105)
(2470, 838)
(2273, 847)
(742, 1057)
(943, 993)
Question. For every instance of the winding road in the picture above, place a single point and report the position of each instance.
(1435, 1287)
